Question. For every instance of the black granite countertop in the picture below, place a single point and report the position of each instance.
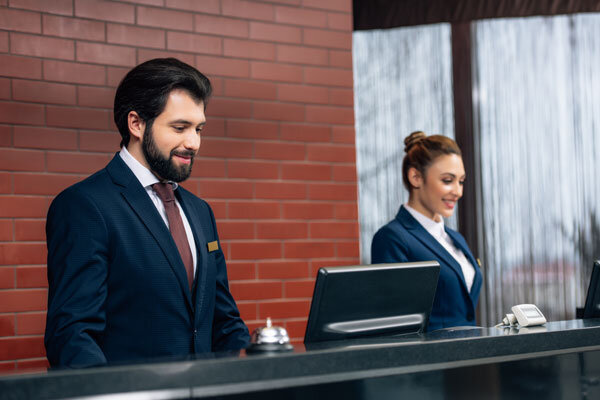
(327, 362)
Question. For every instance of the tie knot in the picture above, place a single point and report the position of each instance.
(164, 191)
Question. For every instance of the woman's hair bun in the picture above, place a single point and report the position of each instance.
(413, 139)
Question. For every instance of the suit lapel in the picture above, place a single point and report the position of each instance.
(417, 230)
(201, 248)
(477, 280)
(142, 206)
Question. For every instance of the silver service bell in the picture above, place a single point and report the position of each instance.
(269, 339)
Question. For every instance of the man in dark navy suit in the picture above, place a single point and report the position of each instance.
(135, 266)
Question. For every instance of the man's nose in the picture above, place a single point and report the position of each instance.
(192, 140)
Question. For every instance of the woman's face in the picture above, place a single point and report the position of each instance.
(437, 194)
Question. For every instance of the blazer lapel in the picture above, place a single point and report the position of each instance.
(142, 206)
(477, 280)
(417, 230)
(201, 247)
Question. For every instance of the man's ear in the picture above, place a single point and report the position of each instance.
(136, 125)
(415, 178)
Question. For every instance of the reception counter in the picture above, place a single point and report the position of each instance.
(558, 360)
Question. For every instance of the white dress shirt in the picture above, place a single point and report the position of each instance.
(436, 229)
(147, 179)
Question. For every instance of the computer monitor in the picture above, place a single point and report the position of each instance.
(371, 300)
(592, 301)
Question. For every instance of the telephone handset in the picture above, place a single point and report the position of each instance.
(528, 315)
(524, 315)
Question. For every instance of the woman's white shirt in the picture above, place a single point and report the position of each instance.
(436, 229)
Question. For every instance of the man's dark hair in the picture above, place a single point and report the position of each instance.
(146, 88)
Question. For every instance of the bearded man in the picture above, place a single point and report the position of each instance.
(135, 266)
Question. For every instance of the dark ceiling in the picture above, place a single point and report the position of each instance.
(383, 14)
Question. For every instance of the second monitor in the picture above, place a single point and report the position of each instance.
(592, 301)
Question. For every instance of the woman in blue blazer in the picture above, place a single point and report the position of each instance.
(433, 173)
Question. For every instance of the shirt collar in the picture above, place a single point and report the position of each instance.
(143, 174)
(436, 229)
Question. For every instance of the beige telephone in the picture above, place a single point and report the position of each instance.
(528, 315)
(524, 315)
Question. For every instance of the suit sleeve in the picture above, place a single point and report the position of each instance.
(77, 270)
(387, 247)
(229, 331)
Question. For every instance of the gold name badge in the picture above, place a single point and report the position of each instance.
(212, 246)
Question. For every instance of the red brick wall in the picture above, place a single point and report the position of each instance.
(277, 161)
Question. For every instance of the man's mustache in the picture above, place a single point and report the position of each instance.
(188, 153)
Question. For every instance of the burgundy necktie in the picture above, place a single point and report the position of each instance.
(165, 192)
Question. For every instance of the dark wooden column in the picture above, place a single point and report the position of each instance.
(470, 214)
(463, 128)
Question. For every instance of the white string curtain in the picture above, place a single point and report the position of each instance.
(537, 114)
(402, 83)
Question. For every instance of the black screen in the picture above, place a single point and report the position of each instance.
(592, 301)
(371, 300)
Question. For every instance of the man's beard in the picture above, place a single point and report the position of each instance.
(163, 167)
